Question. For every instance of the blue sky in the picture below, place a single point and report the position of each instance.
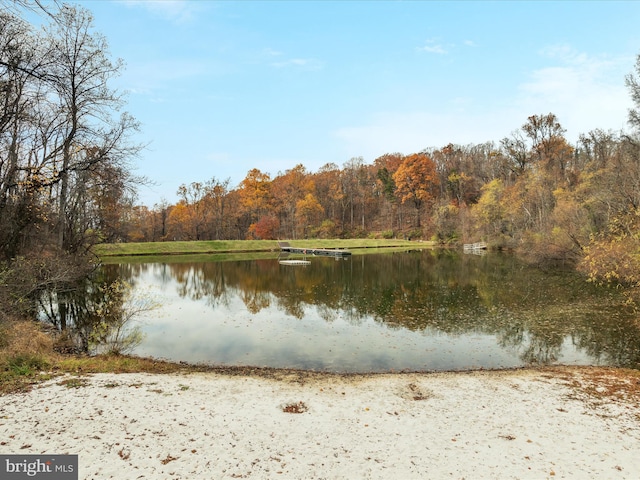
(221, 87)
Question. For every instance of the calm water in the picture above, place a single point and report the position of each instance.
(425, 310)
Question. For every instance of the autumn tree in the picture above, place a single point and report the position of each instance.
(65, 148)
(490, 209)
(59, 132)
(417, 182)
(613, 255)
(549, 147)
(255, 197)
(192, 198)
(266, 228)
(255, 194)
(350, 188)
(149, 224)
(308, 213)
(179, 223)
(216, 202)
(88, 134)
(329, 191)
(288, 189)
(105, 199)
(140, 224)
(159, 219)
(517, 152)
(385, 167)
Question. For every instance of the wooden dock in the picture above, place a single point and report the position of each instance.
(477, 248)
(317, 252)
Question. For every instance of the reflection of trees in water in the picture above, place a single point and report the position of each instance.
(531, 348)
(255, 300)
(328, 314)
(203, 280)
(610, 342)
(528, 310)
(69, 310)
(95, 312)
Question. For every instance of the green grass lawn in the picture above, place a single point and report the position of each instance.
(240, 246)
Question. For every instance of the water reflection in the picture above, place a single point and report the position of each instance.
(428, 310)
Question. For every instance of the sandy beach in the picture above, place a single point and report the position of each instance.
(525, 424)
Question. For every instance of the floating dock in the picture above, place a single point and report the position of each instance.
(294, 262)
(318, 252)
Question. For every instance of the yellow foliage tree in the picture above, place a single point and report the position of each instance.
(489, 209)
(255, 193)
(308, 213)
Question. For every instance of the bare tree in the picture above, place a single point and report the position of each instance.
(632, 81)
(63, 149)
(216, 201)
(89, 136)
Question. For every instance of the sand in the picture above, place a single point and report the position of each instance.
(527, 424)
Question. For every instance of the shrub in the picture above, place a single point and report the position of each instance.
(26, 364)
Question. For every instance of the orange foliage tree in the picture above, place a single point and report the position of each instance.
(417, 181)
(265, 229)
(178, 223)
(288, 189)
(255, 194)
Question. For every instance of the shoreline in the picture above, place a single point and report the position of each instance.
(558, 422)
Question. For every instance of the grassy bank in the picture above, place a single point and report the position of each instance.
(241, 246)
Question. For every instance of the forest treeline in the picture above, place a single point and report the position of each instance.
(67, 182)
(533, 192)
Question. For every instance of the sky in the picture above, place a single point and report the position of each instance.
(222, 87)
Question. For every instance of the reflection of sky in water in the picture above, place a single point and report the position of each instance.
(194, 331)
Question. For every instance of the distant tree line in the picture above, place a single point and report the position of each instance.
(533, 192)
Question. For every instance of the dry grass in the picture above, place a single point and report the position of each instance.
(28, 356)
(24, 338)
(25, 353)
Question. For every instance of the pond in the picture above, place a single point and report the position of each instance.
(426, 310)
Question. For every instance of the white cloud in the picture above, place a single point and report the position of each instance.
(584, 92)
(270, 52)
(439, 49)
(411, 132)
(433, 47)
